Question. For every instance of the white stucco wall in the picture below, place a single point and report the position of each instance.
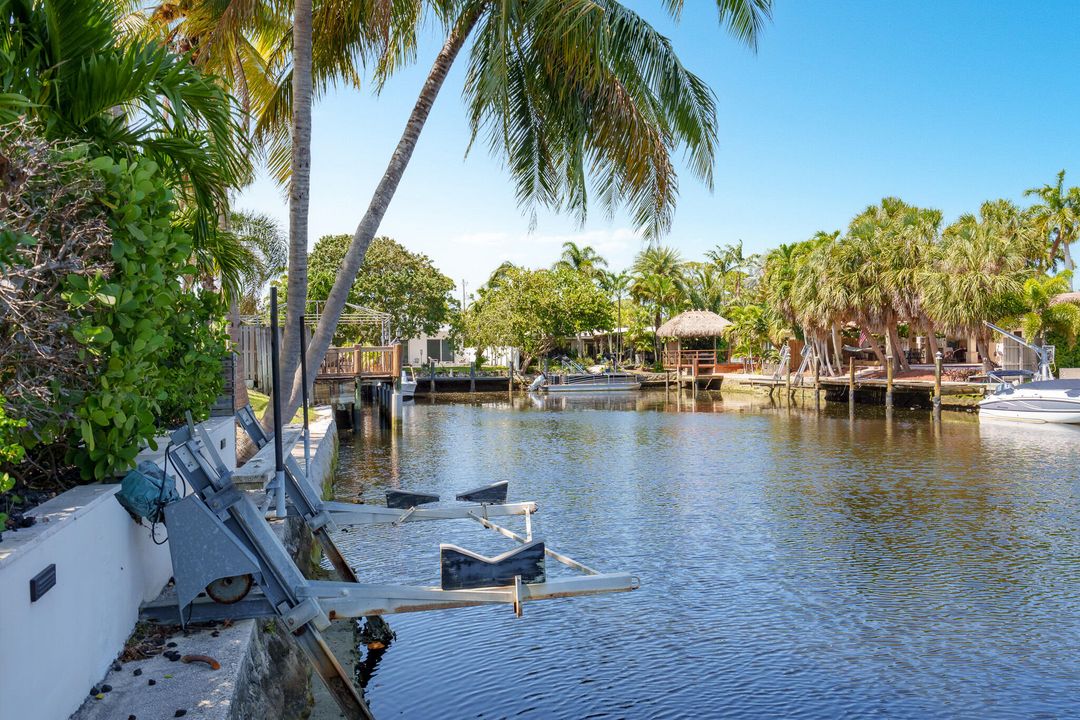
(52, 651)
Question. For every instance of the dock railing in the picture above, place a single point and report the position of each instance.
(360, 361)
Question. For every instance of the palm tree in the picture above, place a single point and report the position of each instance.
(68, 70)
(979, 273)
(581, 259)
(732, 264)
(564, 88)
(277, 65)
(1041, 315)
(616, 285)
(1057, 219)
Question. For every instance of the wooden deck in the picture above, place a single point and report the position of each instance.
(361, 362)
(697, 362)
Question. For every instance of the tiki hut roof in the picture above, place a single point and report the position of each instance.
(1069, 297)
(694, 324)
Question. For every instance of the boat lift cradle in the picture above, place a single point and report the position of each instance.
(221, 542)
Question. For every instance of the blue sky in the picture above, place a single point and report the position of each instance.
(944, 104)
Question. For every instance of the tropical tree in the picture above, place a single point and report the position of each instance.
(569, 92)
(582, 259)
(1042, 314)
(616, 285)
(267, 255)
(533, 310)
(979, 272)
(405, 285)
(1057, 220)
(704, 287)
(68, 71)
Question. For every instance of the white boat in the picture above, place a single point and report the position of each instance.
(408, 384)
(1044, 400)
(583, 381)
(1040, 401)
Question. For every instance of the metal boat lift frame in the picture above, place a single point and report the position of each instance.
(218, 532)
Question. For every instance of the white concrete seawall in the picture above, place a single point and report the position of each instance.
(58, 647)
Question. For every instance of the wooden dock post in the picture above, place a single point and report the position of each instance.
(787, 380)
(431, 387)
(695, 374)
(357, 397)
(817, 380)
(851, 379)
(937, 384)
(472, 376)
(888, 381)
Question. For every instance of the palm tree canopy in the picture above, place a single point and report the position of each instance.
(68, 70)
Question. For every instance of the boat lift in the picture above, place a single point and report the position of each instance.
(1045, 354)
(229, 564)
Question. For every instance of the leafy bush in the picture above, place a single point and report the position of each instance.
(162, 356)
(11, 453)
(122, 341)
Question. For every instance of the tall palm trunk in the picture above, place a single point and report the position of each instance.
(899, 358)
(380, 201)
(838, 349)
(875, 346)
(983, 346)
(931, 339)
(299, 195)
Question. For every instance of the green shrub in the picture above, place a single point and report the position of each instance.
(161, 352)
(111, 337)
(11, 453)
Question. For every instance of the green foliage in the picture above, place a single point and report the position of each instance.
(151, 338)
(392, 279)
(11, 452)
(109, 339)
(64, 65)
(532, 310)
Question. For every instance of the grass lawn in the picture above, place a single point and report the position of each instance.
(260, 402)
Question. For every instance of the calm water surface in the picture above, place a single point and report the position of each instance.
(793, 563)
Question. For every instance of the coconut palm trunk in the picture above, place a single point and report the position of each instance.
(299, 197)
(380, 201)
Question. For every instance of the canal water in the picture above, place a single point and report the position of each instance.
(793, 563)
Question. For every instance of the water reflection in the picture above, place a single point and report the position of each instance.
(796, 562)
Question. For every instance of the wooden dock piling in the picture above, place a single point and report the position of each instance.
(851, 379)
(888, 381)
(937, 383)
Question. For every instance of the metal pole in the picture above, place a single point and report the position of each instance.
(304, 390)
(275, 369)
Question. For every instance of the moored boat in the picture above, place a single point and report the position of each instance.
(583, 381)
(1044, 400)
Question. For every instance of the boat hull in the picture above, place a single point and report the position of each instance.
(1054, 401)
(591, 388)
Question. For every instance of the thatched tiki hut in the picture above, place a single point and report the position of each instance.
(692, 325)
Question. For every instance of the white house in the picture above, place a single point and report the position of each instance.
(438, 347)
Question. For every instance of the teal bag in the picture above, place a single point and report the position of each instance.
(146, 490)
